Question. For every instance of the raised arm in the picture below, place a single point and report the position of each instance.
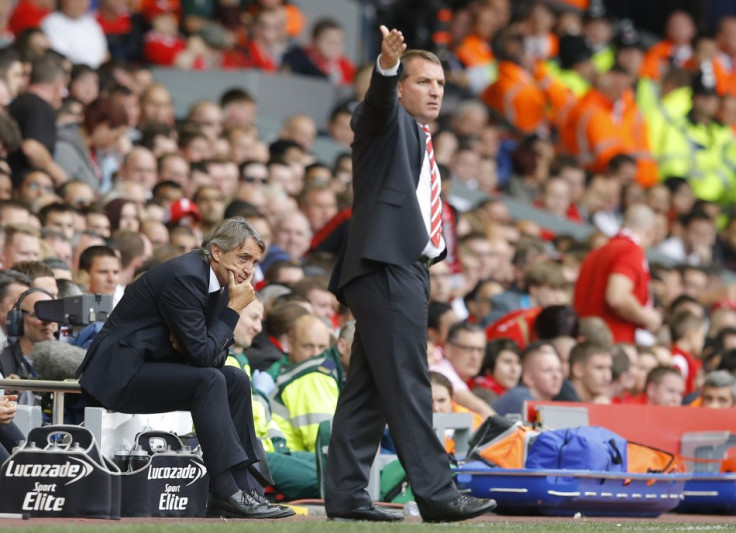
(380, 107)
(392, 46)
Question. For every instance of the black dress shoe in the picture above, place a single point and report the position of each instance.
(461, 508)
(241, 505)
(371, 513)
(260, 498)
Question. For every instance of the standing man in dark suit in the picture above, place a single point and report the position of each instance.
(383, 276)
(163, 349)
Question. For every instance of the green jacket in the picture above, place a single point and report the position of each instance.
(305, 395)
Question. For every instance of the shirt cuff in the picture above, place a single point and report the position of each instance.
(387, 72)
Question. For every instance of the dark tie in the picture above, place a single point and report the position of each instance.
(216, 302)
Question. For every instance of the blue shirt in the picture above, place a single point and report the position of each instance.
(512, 401)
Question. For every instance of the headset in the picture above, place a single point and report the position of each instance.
(14, 323)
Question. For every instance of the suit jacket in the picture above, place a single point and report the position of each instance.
(388, 151)
(171, 298)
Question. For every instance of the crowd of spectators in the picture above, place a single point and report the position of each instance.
(558, 105)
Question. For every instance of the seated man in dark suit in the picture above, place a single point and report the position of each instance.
(163, 349)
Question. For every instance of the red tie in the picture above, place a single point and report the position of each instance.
(435, 186)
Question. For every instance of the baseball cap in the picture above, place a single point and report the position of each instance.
(181, 208)
(153, 8)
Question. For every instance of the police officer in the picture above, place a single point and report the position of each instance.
(695, 146)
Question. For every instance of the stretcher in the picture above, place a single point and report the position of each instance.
(709, 493)
(568, 492)
(702, 437)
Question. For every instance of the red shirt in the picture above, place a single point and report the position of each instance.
(117, 26)
(688, 366)
(639, 399)
(339, 71)
(26, 15)
(331, 226)
(258, 58)
(489, 383)
(517, 325)
(573, 213)
(621, 255)
(162, 50)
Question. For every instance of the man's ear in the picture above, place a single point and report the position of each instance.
(649, 387)
(216, 253)
(576, 370)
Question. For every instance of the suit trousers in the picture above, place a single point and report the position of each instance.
(219, 400)
(387, 382)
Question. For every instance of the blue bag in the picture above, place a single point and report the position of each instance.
(582, 448)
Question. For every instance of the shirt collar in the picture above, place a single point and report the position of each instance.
(214, 283)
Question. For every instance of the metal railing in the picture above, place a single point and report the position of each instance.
(59, 388)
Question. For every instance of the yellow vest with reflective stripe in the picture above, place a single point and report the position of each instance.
(659, 112)
(697, 152)
(569, 78)
(603, 60)
(306, 395)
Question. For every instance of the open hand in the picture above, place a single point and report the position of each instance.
(392, 47)
(241, 294)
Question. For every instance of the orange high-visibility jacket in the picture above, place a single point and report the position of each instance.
(474, 51)
(516, 96)
(597, 129)
(658, 59)
(527, 103)
(560, 98)
(725, 78)
(582, 5)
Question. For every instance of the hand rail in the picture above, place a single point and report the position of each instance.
(59, 388)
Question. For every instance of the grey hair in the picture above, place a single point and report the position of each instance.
(721, 378)
(230, 234)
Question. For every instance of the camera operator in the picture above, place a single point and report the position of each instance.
(25, 329)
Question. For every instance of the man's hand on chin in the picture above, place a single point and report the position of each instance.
(241, 294)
